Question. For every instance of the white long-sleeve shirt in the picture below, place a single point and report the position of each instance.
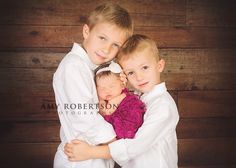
(155, 143)
(74, 87)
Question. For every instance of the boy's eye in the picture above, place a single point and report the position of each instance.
(116, 45)
(102, 38)
(130, 73)
(145, 67)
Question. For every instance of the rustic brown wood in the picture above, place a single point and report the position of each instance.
(32, 105)
(30, 131)
(197, 61)
(48, 131)
(29, 59)
(206, 128)
(197, 40)
(164, 13)
(210, 13)
(185, 69)
(28, 155)
(197, 152)
(197, 104)
(200, 152)
(18, 36)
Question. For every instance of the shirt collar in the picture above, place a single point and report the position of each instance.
(158, 90)
(78, 50)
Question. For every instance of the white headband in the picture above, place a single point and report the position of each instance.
(113, 67)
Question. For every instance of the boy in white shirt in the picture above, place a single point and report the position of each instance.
(108, 26)
(155, 143)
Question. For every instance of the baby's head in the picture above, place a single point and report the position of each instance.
(139, 58)
(107, 79)
(105, 31)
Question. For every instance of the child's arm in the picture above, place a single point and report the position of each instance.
(72, 86)
(155, 127)
(159, 123)
(80, 150)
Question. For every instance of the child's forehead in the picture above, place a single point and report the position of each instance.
(138, 57)
(110, 29)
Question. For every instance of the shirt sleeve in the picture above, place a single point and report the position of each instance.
(156, 125)
(73, 89)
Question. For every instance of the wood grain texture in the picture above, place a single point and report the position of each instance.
(197, 39)
(28, 36)
(160, 13)
(192, 152)
(210, 13)
(197, 104)
(37, 131)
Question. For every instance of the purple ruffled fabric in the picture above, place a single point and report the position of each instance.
(128, 117)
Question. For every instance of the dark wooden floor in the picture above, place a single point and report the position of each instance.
(197, 39)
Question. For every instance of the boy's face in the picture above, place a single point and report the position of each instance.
(143, 70)
(109, 87)
(103, 41)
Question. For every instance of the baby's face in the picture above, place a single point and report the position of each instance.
(109, 87)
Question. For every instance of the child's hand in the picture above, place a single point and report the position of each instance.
(78, 151)
(123, 78)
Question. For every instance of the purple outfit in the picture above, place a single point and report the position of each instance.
(128, 117)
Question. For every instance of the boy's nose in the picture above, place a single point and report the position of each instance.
(106, 48)
(139, 76)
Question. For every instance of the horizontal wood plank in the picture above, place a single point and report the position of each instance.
(160, 13)
(35, 155)
(198, 61)
(188, 69)
(48, 131)
(210, 13)
(199, 152)
(192, 152)
(30, 94)
(21, 36)
(196, 104)
(206, 128)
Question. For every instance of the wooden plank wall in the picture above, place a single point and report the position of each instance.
(196, 37)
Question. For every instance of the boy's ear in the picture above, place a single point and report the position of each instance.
(86, 31)
(161, 65)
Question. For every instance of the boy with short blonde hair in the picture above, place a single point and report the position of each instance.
(107, 28)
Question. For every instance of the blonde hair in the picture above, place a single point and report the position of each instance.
(111, 13)
(137, 43)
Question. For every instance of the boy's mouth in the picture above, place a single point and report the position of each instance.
(100, 56)
(143, 84)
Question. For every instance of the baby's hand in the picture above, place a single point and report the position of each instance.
(123, 78)
(117, 100)
(78, 151)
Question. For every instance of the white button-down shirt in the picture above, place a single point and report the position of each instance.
(155, 143)
(74, 86)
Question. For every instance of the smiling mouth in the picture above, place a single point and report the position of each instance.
(100, 56)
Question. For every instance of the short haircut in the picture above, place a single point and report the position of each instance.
(137, 43)
(113, 14)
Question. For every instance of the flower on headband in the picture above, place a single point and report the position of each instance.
(113, 67)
